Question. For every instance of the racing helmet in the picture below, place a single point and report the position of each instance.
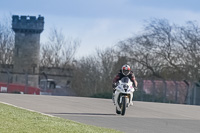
(126, 70)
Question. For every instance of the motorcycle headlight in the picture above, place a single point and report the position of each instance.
(125, 86)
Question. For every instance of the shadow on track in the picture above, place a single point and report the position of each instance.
(98, 114)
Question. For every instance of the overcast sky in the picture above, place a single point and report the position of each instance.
(101, 23)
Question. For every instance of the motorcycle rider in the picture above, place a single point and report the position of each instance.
(125, 71)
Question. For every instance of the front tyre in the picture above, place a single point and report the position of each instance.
(123, 106)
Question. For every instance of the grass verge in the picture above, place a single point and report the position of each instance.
(16, 120)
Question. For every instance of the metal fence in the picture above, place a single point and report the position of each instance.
(168, 91)
(29, 80)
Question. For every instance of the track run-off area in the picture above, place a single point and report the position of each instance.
(142, 117)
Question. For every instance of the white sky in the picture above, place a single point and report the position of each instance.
(101, 23)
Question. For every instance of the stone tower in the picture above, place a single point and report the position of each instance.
(27, 48)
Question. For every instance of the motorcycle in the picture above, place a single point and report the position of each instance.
(123, 95)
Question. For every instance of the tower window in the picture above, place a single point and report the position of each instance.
(34, 66)
(17, 52)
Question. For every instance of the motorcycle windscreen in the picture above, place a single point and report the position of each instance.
(125, 79)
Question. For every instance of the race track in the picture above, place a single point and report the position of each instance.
(143, 117)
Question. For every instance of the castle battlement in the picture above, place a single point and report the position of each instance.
(26, 24)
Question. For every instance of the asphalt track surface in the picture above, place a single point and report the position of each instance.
(142, 117)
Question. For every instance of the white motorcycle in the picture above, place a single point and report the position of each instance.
(123, 95)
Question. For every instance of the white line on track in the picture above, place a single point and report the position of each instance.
(27, 109)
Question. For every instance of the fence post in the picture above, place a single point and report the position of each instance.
(165, 91)
(141, 92)
(46, 78)
(176, 93)
(26, 80)
(188, 92)
(8, 78)
(154, 88)
(194, 95)
(189, 96)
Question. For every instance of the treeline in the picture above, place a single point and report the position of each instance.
(163, 51)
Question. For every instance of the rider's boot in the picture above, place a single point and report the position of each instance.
(131, 100)
(113, 98)
(131, 103)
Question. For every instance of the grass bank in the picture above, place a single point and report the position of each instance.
(16, 120)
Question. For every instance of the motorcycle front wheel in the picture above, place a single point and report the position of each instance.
(123, 106)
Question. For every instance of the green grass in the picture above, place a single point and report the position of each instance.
(16, 120)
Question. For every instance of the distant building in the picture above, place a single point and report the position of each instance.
(26, 69)
(27, 47)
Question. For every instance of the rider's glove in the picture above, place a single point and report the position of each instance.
(115, 85)
(135, 88)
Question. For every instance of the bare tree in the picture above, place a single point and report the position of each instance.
(106, 60)
(6, 42)
(156, 51)
(94, 74)
(58, 51)
(86, 76)
(188, 39)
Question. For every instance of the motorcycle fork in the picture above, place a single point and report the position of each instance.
(126, 96)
